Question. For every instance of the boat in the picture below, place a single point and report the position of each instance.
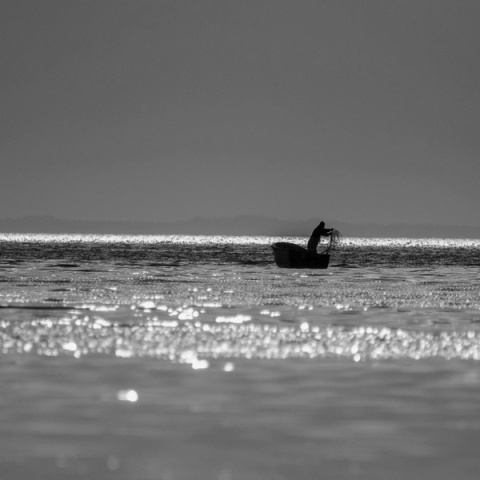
(290, 255)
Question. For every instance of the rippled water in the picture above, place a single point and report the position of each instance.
(180, 357)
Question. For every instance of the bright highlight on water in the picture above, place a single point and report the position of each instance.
(165, 296)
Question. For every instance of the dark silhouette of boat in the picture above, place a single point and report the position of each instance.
(290, 255)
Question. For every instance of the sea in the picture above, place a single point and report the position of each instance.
(197, 358)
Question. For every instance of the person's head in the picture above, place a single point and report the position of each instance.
(322, 225)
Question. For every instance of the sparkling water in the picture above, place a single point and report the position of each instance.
(187, 357)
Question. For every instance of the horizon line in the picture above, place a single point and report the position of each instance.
(236, 216)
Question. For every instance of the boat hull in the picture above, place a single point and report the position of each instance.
(290, 255)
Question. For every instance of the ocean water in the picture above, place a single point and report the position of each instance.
(196, 357)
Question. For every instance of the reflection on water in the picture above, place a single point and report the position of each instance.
(232, 337)
(197, 358)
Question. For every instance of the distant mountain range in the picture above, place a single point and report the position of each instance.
(238, 225)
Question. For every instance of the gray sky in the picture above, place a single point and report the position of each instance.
(356, 111)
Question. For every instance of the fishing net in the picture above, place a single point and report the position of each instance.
(335, 240)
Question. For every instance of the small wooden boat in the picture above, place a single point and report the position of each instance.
(290, 255)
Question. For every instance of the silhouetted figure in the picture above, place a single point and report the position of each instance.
(314, 239)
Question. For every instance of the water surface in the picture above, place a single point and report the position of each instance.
(176, 357)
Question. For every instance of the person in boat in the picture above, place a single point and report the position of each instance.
(314, 240)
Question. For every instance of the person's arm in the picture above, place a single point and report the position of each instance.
(321, 231)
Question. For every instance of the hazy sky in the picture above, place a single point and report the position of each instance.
(348, 110)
